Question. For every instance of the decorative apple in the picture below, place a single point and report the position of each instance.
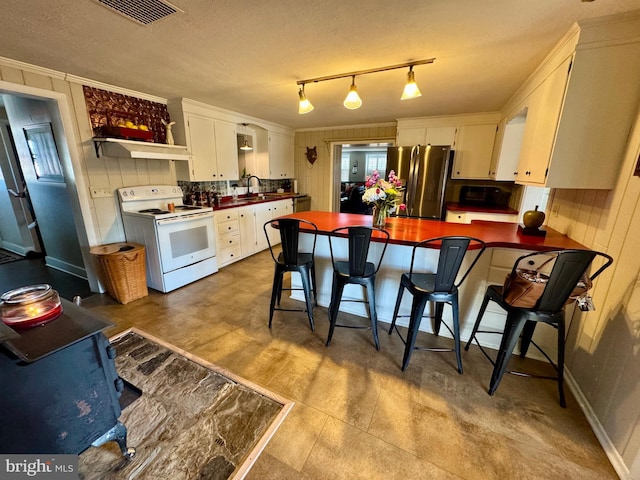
(533, 218)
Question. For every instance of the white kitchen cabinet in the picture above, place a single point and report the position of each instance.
(248, 230)
(468, 217)
(543, 113)
(582, 102)
(240, 233)
(211, 140)
(506, 150)
(426, 135)
(411, 136)
(471, 137)
(268, 211)
(227, 236)
(441, 136)
(473, 151)
(281, 163)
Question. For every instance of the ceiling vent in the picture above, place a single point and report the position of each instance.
(143, 12)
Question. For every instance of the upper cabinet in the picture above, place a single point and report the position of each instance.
(211, 141)
(506, 150)
(471, 137)
(274, 155)
(473, 149)
(580, 105)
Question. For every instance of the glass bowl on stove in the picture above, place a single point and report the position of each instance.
(30, 306)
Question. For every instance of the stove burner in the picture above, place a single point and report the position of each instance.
(187, 207)
(155, 211)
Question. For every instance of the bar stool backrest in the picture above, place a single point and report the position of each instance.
(452, 252)
(289, 229)
(359, 238)
(568, 268)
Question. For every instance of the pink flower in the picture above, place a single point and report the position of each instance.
(402, 206)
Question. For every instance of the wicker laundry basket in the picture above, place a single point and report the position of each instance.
(124, 270)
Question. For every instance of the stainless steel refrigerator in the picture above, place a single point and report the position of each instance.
(424, 171)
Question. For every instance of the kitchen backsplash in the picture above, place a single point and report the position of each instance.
(223, 187)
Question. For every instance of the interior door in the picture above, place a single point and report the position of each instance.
(39, 139)
(15, 209)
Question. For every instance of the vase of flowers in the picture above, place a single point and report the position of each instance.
(383, 195)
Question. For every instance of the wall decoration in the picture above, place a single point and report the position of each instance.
(312, 155)
(115, 114)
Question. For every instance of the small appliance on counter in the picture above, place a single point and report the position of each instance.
(484, 196)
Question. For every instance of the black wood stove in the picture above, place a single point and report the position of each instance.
(60, 390)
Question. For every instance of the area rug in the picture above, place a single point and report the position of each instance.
(193, 419)
(7, 256)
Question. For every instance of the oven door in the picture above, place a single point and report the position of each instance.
(185, 240)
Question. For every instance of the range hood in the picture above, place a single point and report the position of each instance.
(117, 147)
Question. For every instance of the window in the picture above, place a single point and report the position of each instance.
(44, 153)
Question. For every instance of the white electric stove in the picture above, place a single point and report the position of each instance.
(179, 239)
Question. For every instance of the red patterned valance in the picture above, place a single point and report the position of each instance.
(109, 109)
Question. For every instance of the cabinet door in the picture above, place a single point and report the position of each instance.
(507, 150)
(248, 230)
(280, 156)
(263, 215)
(473, 150)
(226, 151)
(541, 125)
(201, 132)
(411, 136)
(441, 136)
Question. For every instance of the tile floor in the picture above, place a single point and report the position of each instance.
(357, 415)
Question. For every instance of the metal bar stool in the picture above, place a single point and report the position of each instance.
(292, 260)
(355, 270)
(567, 269)
(439, 287)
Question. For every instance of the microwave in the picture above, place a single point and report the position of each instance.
(484, 196)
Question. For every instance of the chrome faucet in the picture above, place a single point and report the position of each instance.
(249, 184)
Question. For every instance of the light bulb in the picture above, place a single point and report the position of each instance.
(353, 100)
(411, 90)
(305, 105)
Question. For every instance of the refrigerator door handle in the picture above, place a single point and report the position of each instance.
(413, 178)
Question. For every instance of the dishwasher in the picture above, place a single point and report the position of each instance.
(301, 203)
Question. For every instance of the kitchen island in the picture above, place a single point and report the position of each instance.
(504, 245)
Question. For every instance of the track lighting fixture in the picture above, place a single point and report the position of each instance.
(411, 90)
(305, 105)
(353, 100)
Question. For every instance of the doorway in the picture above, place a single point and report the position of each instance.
(353, 162)
(41, 210)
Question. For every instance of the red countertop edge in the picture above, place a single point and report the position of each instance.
(409, 231)
(461, 207)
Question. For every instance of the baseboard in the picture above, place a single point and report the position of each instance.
(65, 267)
(12, 247)
(607, 445)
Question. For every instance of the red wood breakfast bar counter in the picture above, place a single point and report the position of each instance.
(409, 231)
(504, 245)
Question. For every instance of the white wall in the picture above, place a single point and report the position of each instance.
(603, 349)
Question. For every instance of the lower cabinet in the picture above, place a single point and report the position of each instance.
(240, 233)
(468, 217)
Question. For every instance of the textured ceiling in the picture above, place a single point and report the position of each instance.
(247, 56)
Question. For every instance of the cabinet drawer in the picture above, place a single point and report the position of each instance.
(227, 215)
(227, 227)
(228, 255)
(229, 239)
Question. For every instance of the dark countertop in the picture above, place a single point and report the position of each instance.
(244, 200)
(409, 231)
(462, 207)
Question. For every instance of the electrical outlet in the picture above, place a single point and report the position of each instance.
(555, 210)
(101, 192)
